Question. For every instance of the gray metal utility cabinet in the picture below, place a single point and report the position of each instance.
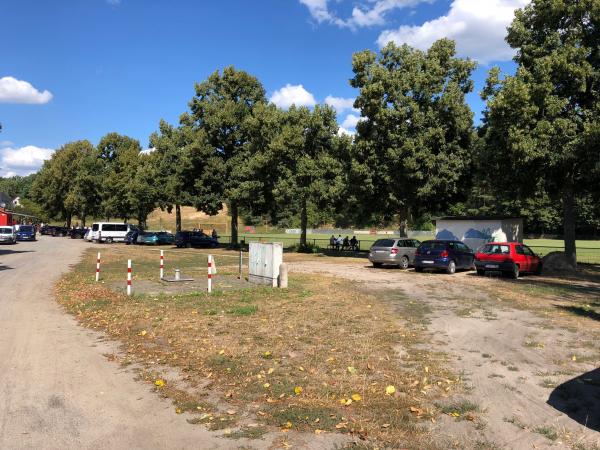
(264, 262)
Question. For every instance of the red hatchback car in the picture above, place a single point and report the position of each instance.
(511, 258)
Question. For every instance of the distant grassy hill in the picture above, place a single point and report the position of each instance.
(190, 219)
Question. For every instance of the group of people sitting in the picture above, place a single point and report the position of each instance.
(343, 244)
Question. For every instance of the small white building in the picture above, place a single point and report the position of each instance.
(475, 231)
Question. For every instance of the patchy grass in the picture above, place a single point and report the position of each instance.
(319, 356)
(547, 432)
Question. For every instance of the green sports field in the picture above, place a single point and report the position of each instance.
(587, 251)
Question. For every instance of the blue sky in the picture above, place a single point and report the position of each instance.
(78, 69)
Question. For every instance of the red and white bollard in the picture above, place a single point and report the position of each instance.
(210, 263)
(128, 277)
(162, 264)
(98, 268)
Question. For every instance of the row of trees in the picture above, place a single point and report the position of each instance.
(416, 150)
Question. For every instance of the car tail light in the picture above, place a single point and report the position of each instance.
(417, 253)
(444, 254)
(394, 251)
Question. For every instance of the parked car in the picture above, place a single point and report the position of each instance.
(131, 237)
(26, 233)
(396, 252)
(8, 235)
(60, 231)
(191, 239)
(110, 232)
(443, 254)
(155, 238)
(510, 258)
(47, 230)
(78, 233)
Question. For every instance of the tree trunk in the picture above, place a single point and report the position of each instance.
(83, 221)
(569, 222)
(303, 224)
(404, 218)
(234, 223)
(178, 217)
(68, 221)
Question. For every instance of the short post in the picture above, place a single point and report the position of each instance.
(241, 257)
(129, 278)
(283, 275)
(98, 268)
(209, 286)
(162, 264)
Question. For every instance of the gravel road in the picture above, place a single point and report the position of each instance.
(57, 390)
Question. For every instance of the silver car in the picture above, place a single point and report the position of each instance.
(397, 252)
(8, 235)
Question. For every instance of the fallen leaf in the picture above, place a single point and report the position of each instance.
(270, 371)
(231, 412)
(298, 390)
(390, 390)
(159, 383)
(356, 397)
(221, 352)
(351, 369)
(143, 333)
(266, 385)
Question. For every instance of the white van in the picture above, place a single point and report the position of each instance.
(8, 235)
(110, 232)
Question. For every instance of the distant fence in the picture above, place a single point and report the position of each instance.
(585, 255)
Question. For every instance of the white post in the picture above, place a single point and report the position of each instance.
(209, 287)
(129, 278)
(98, 268)
(241, 262)
(162, 264)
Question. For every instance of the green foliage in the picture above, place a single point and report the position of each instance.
(413, 147)
(221, 109)
(17, 186)
(120, 158)
(541, 126)
(58, 187)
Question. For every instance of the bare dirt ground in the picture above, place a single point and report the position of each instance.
(59, 391)
(511, 356)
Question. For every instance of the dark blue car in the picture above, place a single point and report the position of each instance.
(26, 233)
(443, 254)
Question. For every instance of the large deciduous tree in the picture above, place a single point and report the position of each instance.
(413, 144)
(180, 156)
(308, 171)
(120, 157)
(542, 126)
(220, 109)
(57, 187)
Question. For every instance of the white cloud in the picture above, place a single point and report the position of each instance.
(366, 13)
(350, 121)
(18, 91)
(292, 95)
(147, 151)
(477, 26)
(113, 2)
(342, 131)
(340, 104)
(23, 160)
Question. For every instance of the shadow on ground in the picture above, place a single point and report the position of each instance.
(579, 399)
(6, 251)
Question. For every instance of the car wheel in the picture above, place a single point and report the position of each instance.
(515, 272)
(109, 240)
(418, 269)
(480, 272)
(188, 245)
(404, 263)
(539, 268)
(377, 264)
(451, 269)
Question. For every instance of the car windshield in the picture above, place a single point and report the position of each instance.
(495, 249)
(27, 228)
(384, 243)
(6, 230)
(433, 245)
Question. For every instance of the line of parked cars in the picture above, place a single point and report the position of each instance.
(510, 258)
(11, 234)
